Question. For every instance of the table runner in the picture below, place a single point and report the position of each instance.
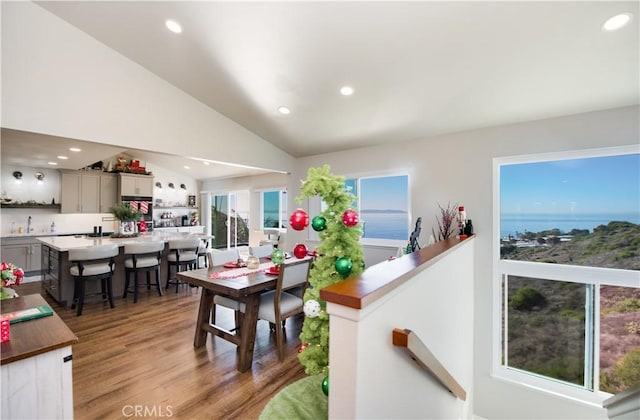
(240, 272)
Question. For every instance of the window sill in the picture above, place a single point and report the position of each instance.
(549, 386)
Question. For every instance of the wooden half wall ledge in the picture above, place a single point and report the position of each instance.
(359, 291)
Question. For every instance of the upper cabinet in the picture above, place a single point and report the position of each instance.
(87, 192)
(135, 185)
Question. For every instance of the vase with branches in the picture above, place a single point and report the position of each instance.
(446, 222)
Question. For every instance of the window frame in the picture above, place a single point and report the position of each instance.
(283, 221)
(394, 243)
(595, 276)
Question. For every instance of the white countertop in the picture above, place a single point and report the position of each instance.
(65, 243)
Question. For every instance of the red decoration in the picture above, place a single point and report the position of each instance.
(5, 331)
(300, 251)
(299, 219)
(350, 218)
(302, 346)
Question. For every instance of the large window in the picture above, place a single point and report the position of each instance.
(384, 206)
(274, 209)
(567, 260)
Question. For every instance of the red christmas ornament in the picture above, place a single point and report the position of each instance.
(299, 219)
(300, 251)
(350, 218)
(302, 346)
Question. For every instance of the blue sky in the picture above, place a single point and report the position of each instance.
(387, 193)
(578, 186)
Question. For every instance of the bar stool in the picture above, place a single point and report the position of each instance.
(183, 255)
(143, 257)
(203, 251)
(92, 263)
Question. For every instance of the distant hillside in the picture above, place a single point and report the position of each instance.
(616, 245)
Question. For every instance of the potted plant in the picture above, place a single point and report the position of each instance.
(128, 216)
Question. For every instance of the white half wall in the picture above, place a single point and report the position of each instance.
(370, 378)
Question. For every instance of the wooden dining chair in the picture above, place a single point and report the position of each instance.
(279, 304)
(218, 258)
(261, 251)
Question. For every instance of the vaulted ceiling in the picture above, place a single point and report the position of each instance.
(417, 69)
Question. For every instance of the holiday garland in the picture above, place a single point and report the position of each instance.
(339, 255)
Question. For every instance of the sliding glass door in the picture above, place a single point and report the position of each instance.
(230, 219)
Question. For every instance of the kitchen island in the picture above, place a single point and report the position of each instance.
(57, 280)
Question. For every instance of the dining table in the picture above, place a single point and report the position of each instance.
(239, 283)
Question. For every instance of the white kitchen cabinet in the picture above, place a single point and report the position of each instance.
(136, 185)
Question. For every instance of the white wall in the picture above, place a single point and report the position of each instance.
(458, 168)
(58, 80)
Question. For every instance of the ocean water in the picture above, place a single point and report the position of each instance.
(512, 224)
(385, 225)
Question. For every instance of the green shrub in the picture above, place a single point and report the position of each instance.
(628, 370)
(526, 299)
(626, 306)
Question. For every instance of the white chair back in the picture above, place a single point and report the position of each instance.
(295, 274)
(146, 247)
(261, 251)
(93, 253)
(218, 257)
(191, 244)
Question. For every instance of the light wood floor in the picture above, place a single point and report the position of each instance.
(141, 357)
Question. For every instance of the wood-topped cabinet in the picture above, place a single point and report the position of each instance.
(88, 192)
(136, 185)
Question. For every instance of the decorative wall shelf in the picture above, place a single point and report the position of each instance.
(29, 206)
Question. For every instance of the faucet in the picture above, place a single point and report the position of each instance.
(29, 225)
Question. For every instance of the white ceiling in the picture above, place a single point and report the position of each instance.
(418, 68)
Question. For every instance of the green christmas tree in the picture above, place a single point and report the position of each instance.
(340, 255)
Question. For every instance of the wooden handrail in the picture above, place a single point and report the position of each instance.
(425, 359)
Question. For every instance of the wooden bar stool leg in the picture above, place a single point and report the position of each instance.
(158, 281)
(110, 290)
(135, 286)
(81, 288)
(126, 283)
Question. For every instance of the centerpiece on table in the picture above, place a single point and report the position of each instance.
(128, 218)
(11, 276)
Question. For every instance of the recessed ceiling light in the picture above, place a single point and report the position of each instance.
(62, 157)
(346, 90)
(284, 110)
(52, 163)
(186, 167)
(616, 22)
(173, 26)
(206, 163)
(75, 149)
